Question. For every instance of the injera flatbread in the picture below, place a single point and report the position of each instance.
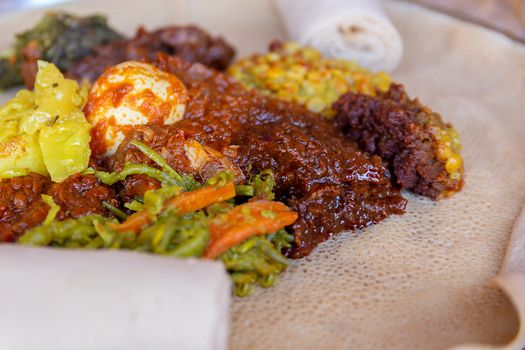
(424, 280)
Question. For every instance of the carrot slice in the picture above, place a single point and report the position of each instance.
(133, 223)
(247, 220)
(185, 202)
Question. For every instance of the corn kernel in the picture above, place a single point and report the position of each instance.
(443, 152)
(315, 104)
(302, 75)
(453, 164)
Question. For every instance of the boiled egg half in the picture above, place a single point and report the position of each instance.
(129, 94)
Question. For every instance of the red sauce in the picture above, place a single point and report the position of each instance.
(117, 93)
(98, 135)
(81, 195)
(21, 205)
(319, 173)
(151, 106)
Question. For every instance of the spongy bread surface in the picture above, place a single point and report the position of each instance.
(419, 281)
(422, 280)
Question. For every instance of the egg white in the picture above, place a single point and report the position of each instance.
(133, 93)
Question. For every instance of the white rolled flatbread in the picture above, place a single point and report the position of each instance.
(54, 299)
(351, 29)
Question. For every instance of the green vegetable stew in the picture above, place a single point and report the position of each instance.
(185, 219)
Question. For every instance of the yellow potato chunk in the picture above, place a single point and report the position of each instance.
(45, 131)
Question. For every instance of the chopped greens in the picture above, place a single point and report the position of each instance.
(70, 233)
(220, 179)
(256, 261)
(133, 169)
(135, 205)
(166, 175)
(181, 236)
(117, 212)
(259, 185)
(178, 220)
(154, 199)
(244, 190)
(281, 239)
(9, 73)
(186, 182)
(263, 184)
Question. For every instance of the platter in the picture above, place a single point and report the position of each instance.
(421, 280)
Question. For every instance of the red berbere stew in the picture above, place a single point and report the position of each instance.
(21, 205)
(319, 173)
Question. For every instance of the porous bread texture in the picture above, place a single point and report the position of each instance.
(422, 280)
(405, 283)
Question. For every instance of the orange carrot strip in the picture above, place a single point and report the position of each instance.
(133, 223)
(247, 220)
(185, 202)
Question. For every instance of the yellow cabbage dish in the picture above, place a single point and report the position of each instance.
(45, 131)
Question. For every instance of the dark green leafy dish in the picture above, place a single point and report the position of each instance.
(59, 38)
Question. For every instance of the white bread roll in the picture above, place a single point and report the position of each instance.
(54, 299)
(351, 29)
